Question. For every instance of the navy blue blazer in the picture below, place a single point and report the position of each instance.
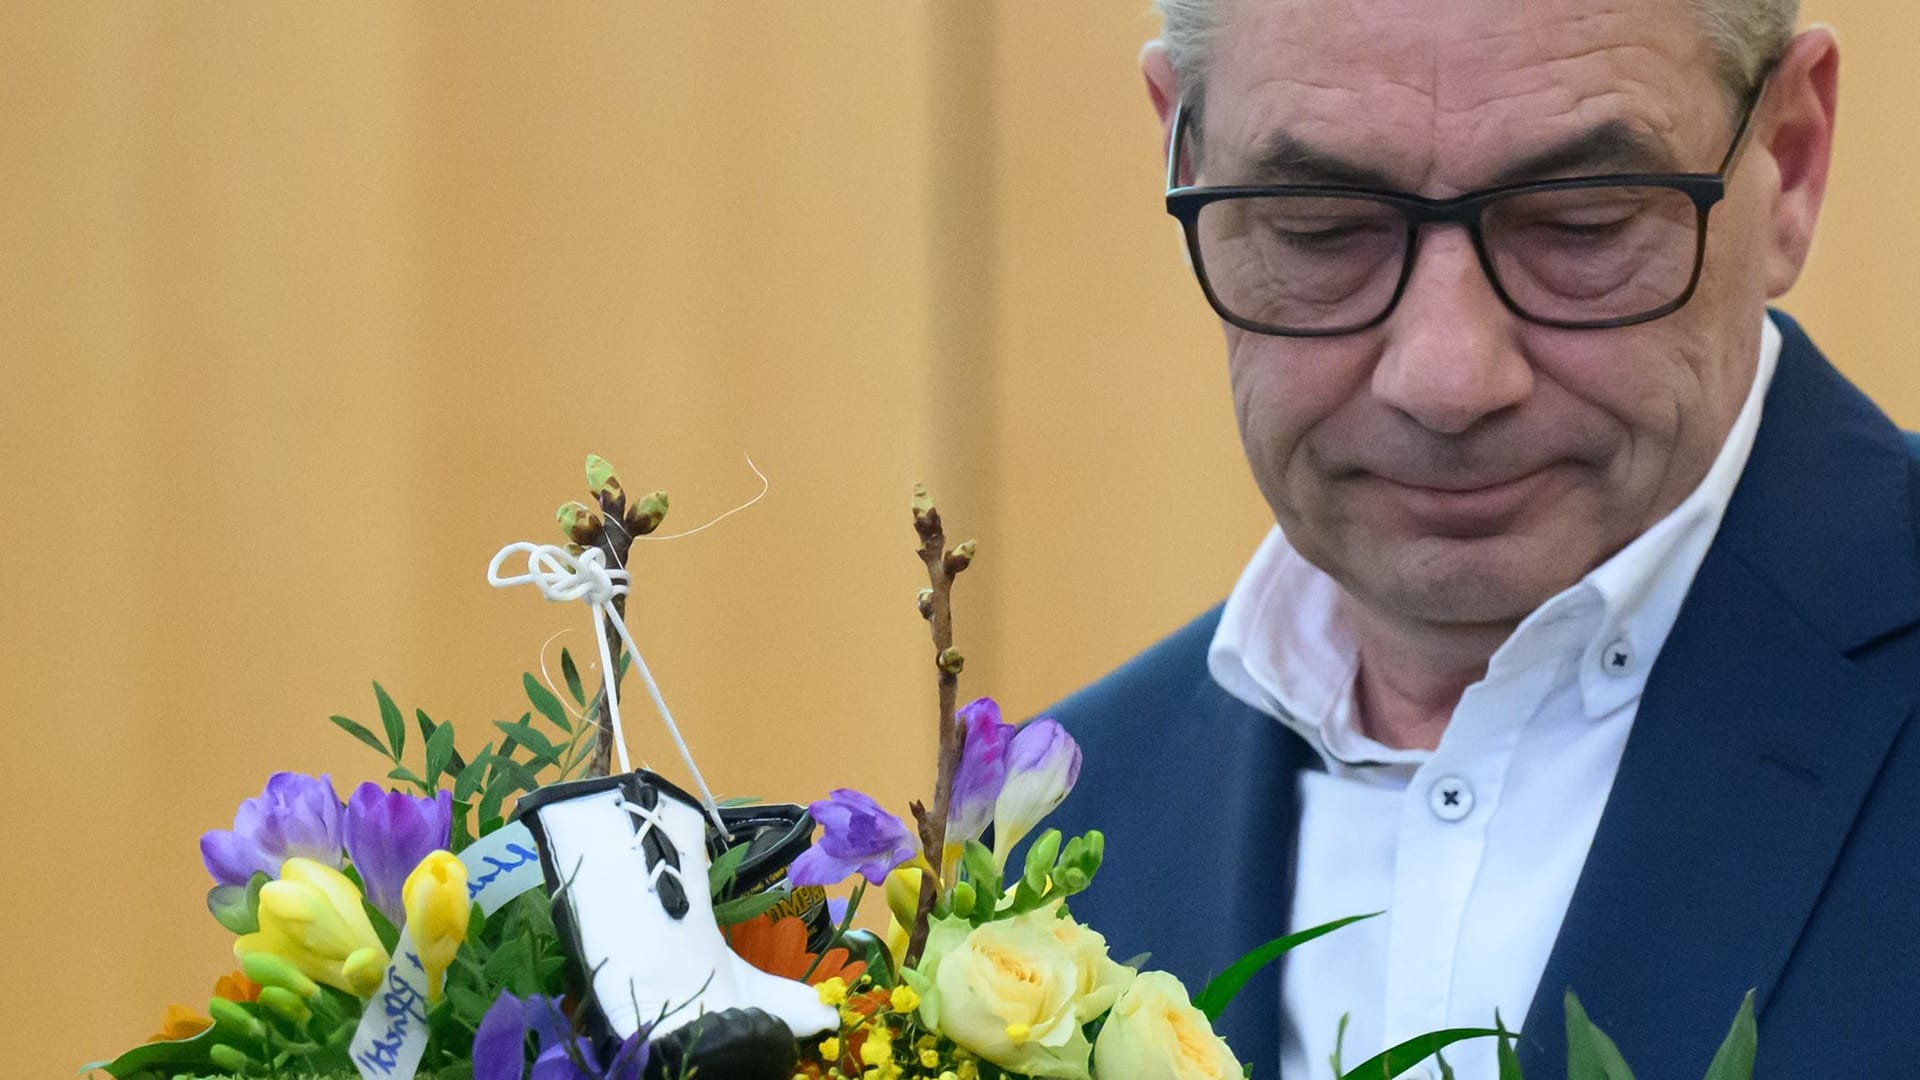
(1763, 832)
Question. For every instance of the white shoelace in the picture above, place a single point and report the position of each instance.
(650, 821)
(562, 576)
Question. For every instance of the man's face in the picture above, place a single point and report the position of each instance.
(1457, 465)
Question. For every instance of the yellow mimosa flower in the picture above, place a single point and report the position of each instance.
(312, 917)
(438, 911)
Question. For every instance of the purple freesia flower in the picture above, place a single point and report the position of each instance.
(295, 815)
(982, 772)
(1043, 764)
(388, 833)
(857, 835)
(500, 1045)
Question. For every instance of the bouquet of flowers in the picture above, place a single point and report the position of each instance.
(528, 911)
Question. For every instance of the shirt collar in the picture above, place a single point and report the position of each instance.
(1282, 648)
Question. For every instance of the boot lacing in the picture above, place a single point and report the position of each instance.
(650, 821)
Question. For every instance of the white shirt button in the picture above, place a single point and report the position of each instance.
(1617, 657)
(1451, 798)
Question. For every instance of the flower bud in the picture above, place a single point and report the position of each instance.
(1043, 764)
(234, 1019)
(437, 914)
(926, 519)
(579, 521)
(286, 1003)
(950, 661)
(960, 557)
(646, 514)
(271, 970)
(964, 899)
(1040, 860)
(313, 917)
(903, 894)
(364, 971)
(600, 474)
(230, 1058)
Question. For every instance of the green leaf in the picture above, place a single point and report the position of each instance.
(1224, 987)
(476, 925)
(1399, 1059)
(1734, 1059)
(543, 700)
(467, 784)
(511, 966)
(490, 802)
(571, 673)
(439, 753)
(741, 909)
(725, 869)
(1504, 1053)
(978, 862)
(469, 1006)
(405, 776)
(1591, 1055)
(237, 907)
(180, 1056)
(390, 717)
(360, 733)
(514, 774)
(458, 836)
(537, 744)
(455, 763)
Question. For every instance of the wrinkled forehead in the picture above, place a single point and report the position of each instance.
(1441, 96)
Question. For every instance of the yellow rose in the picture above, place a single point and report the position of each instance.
(1155, 1033)
(1006, 991)
(313, 918)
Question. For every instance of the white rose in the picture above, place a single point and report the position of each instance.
(1100, 979)
(1008, 991)
(1155, 1033)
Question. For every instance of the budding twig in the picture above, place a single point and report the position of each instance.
(611, 526)
(936, 606)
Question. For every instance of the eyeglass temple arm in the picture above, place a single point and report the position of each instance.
(1173, 145)
(1747, 114)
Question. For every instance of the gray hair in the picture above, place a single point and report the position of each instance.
(1745, 35)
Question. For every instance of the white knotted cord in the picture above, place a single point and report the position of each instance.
(562, 576)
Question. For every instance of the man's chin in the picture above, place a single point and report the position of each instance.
(1481, 581)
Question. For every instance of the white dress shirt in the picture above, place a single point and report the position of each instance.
(1472, 850)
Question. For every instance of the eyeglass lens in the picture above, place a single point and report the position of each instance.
(1318, 263)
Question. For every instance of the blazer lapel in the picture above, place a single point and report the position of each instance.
(1756, 741)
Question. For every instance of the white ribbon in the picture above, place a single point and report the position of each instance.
(561, 576)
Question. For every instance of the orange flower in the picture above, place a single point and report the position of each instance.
(180, 1023)
(236, 987)
(779, 947)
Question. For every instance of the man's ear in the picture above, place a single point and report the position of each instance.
(1163, 87)
(1799, 137)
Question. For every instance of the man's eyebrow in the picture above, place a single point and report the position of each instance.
(1612, 147)
(1283, 158)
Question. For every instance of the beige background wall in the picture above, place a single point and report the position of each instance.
(305, 310)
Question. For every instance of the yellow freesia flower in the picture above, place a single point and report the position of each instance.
(438, 911)
(312, 917)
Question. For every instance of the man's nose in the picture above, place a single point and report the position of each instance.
(1451, 356)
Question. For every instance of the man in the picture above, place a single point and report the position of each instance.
(1587, 647)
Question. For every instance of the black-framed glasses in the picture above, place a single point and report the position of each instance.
(1585, 253)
